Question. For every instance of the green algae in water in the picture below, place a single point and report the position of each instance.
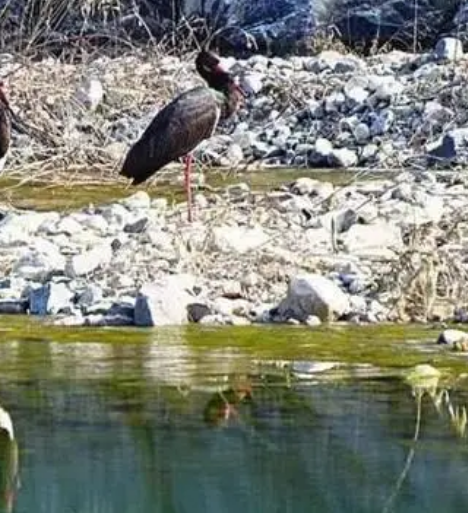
(387, 346)
(37, 195)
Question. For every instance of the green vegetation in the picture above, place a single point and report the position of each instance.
(387, 346)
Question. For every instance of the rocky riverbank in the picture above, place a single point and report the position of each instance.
(308, 252)
(390, 110)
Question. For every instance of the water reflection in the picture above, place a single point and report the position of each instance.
(224, 406)
(163, 426)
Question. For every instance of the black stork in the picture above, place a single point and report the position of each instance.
(184, 123)
(5, 124)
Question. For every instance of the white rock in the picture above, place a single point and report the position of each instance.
(66, 225)
(238, 239)
(339, 220)
(382, 122)
(357, 95)
(37, 265)
(379, 238)
(16, 229)
(244, 137)
(407, 214)
(232, 288)
(334, 101)
(323, 147)
(253, 82)
(91, 294)
(138, 200)
(89, 261)
(94, 221)
(51, 298)
(234, 155)
(313, 294)
(449, 48)
(164, 302)
(306, 186)
(451, 336)
(343, 157)
(90, 93)
(361, 133)
(75, 319)
(6, 423)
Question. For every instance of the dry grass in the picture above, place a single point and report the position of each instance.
(60, 136)
(59, 140)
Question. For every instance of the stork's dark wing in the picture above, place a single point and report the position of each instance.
(175, 131)
(5, 130)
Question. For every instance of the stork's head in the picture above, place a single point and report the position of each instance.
(209, 66)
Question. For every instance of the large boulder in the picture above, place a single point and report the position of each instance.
(313, 295)
(164, 303)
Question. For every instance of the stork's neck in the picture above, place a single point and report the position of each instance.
(227, 93)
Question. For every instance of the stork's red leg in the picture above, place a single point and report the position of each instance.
(188, 184)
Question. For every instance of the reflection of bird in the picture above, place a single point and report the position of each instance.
(184, 123)
(8, 462)
(224, 406)
(5, 124)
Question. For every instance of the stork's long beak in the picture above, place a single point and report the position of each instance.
(245, 92)
(12, 114)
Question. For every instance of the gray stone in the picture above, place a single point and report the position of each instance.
(213, 320)
(361, 133)
(238, 239)
(233, 156)
(39, 265)
(139, 200)
(380, 238)
(323, 149)
(381, 122)
(196, 311)
(164, 302)
(16, 229)
(89, 261)
(450, 148)
(343, 157)
(339, 220)
(99, 307)
(76, 319)
(386, 88)
(51, 298)
(90, 295)
(253, 82)
(137, 226)
(13, 306)
(116, 214)
(67, 225)
(313, 294)
(357, 95)
(449, 49)
(107, 320)
(334, 102)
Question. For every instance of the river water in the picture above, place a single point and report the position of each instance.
(221, 421)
